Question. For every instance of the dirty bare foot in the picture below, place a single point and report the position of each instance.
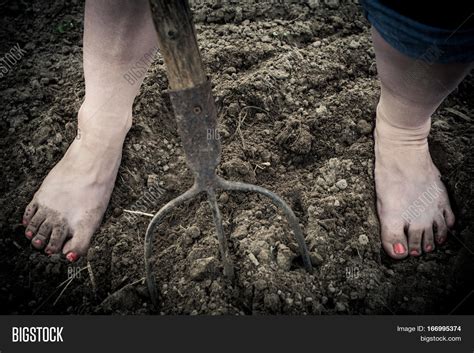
(119, 46)
(69, 206)
(412, 202)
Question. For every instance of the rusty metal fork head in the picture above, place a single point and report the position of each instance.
(196, 118)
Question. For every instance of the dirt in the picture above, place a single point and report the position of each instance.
(296, 89)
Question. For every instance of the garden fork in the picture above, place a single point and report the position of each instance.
(196, 118)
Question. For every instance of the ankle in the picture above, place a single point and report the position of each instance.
(390, 132)
(104, 127)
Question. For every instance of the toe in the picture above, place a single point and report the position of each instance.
(415, 235)
(428, 240)
(77, 246)
(30, 211)
(441, 230)
(449, 217)
(58, 237)
(34, 224)
(394, 241)
(41, 238)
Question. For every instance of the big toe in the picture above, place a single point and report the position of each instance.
(78, 245)
(394, 241)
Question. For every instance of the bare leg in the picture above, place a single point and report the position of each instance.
(119, 42)
(412, 202)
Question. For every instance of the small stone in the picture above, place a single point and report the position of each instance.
(117, 212)
(284, 257)
(202, 268)
(354, 44)
(364, 127)
(363, 239)
(224, 197)
(30, 46)
(271, 301)
(316, 259)
(166, 167)
(333, 4)
(320, 181)
(313, 3)
(193, 232)
(340, 307)
(260, 285)
(280, 74)
(253, 259)
(321, 110)
(342, 184)
(331, 288)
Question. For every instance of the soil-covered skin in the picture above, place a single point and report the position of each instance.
(296, 90)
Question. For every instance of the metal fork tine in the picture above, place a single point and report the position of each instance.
(150, 236)
(277, 201)
(223, 246)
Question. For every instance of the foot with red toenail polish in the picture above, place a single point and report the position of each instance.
(412, 202)
(69, 206)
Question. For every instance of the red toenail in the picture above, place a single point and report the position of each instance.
(37, 242)
(25, 222)
(429, 248)
(414, 253)
(72, 256)
(29, 234)
(398, 248)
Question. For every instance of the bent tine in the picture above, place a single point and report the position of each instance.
(150, 236)
(278, 202)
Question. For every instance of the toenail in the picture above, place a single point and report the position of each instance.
(29, 234)
(441, 240)
(72, 256)
(24, 221)
(398, 248)
(37, 242)
(429, 248)
(414, 253)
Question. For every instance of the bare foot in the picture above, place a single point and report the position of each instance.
(412, 202)
(69, 206)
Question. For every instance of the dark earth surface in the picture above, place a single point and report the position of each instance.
(296, 90)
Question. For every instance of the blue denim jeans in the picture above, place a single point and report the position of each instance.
(418, 40)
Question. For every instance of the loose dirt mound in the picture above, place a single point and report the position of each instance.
(296, 88)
